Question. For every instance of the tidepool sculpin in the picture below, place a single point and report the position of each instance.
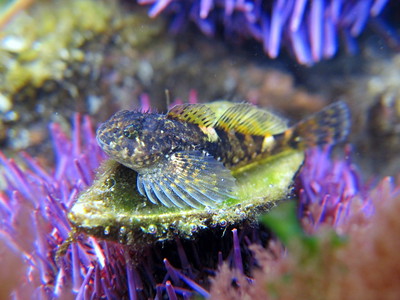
(189, 156)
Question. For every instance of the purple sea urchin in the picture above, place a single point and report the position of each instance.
(41, 199)
(34, 225)
(310, 30)
(346, 251)
(94, 269)
(327, 189)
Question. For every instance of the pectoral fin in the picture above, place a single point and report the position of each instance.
(190, 178)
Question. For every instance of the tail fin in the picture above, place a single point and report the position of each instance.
(329, 126)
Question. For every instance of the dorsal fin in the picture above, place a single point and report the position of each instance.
(248, 119)
(198, 114)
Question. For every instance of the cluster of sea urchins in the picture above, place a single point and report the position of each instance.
(92, 268)
(309, 29)
(34, 224)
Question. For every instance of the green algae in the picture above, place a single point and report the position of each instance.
(113, 209)
(41, 44)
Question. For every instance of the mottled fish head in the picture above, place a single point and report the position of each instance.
(134, 139)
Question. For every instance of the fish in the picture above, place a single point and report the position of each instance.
(189, 156)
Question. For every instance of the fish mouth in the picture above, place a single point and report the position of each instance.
(100, 136)
(100, 141)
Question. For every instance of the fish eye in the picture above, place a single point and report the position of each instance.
(131, 131)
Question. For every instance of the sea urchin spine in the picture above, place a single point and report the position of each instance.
(309, 29)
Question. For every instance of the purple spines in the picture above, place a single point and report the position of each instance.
(93, 269)
(236, 250)
(297, 14)
(327, 188)
(378, 6)
(315, 28)
(131, 282)
(309, 29)
(178, 276)
(42, 198)
(170, 291)
(90, 269)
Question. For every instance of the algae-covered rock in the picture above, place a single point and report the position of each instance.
(59, 57)
(40, 44)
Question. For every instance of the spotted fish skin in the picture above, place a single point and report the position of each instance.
(186, 157)
(140, 140)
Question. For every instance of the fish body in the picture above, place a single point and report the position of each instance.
(188, 157)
